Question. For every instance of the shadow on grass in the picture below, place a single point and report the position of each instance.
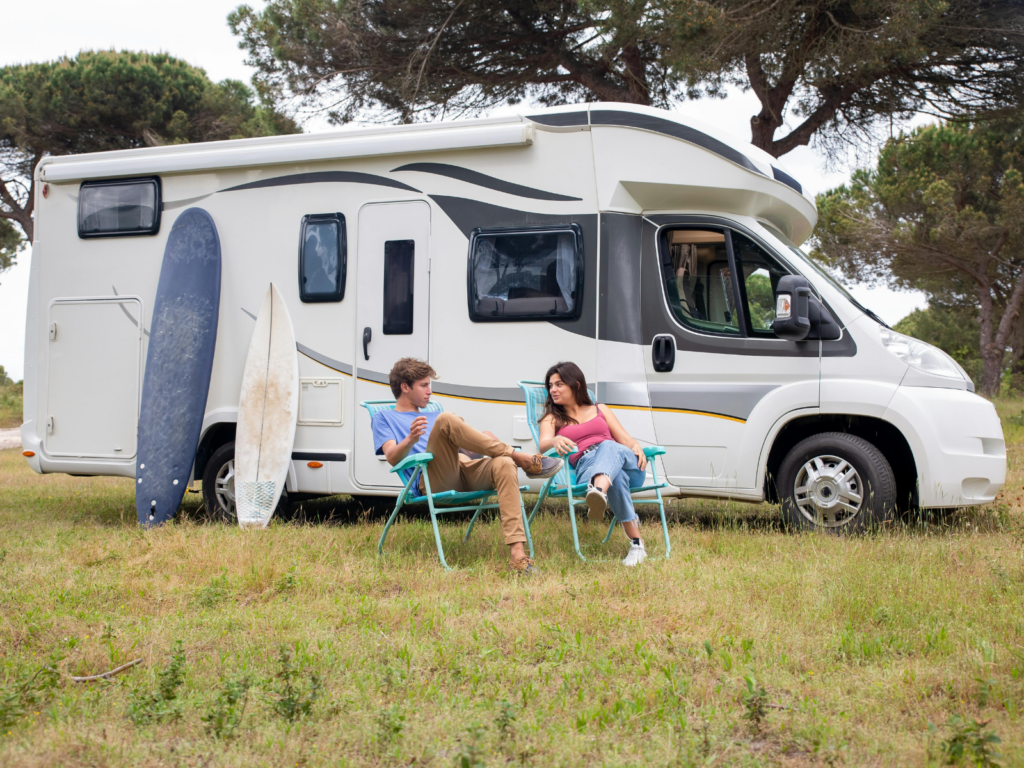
(699, 514)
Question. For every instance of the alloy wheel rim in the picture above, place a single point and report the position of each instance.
(829, 491)
(224, 488)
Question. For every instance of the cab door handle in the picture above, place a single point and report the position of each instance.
(663, 353)
(367, 335)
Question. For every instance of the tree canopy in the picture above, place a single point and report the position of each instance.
(105, 100)
(942, 212)
(835, 68)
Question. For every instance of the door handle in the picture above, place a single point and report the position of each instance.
(367, 333)
(663, 353)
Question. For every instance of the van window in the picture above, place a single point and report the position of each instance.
(534, 274)
(119, 208)
(322, 258)
(761, 275)
(698, 280)
(399, 274)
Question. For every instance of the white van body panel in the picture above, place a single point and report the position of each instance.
(620, 174)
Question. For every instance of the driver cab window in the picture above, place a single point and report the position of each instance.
(698, 281)
(697, 272)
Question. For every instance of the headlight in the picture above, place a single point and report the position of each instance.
(919, 355)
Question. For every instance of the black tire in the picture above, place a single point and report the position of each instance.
(222, 460)
(827, 502)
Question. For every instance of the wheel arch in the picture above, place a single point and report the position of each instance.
(216, 435)
(884, 435)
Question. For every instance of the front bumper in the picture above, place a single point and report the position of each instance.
(957, 441)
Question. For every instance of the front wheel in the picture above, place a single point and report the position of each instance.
(836, 482)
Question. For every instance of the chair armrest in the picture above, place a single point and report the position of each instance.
(654, 450)
(411, 461)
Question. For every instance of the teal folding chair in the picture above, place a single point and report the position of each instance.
(564, 485)
(453, 501)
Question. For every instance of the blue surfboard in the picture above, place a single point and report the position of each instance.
(179, 363)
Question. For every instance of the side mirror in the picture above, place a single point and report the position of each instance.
(792, 315)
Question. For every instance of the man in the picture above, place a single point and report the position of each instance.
(405, 431)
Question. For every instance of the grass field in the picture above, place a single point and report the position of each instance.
(10, 402)
(298, 646)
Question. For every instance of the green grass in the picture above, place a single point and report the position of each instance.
(750, 646)
(10, 403)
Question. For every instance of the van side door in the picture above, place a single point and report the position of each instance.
(718, 377)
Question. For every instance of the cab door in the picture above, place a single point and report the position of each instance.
(717, 376)
(392, 311)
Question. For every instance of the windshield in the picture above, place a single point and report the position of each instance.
(817, 268)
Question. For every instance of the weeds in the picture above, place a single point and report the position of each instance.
(755, 702)
(291, 700)
(390, 724)
(18, 701)
(225, 717)
(471, 753)
(162, 704)
(969, 740)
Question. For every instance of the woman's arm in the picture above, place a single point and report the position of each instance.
(620, 435)
(549, 439)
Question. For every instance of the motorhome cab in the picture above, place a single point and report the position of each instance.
(658, 254)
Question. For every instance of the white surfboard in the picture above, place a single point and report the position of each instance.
(267, 414)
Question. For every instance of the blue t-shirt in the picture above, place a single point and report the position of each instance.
(395, 425)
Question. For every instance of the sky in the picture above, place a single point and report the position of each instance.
(197, 32)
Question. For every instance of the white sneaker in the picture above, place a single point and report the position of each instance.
(597, 500)
(637, 554)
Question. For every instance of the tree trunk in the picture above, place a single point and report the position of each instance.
(991, 355)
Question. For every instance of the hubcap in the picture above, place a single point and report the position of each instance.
(225, 488)
(828, 491)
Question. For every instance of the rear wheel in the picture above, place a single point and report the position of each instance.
(836, 482)
(219, 486)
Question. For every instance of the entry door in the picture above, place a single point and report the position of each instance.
(92, 399)
(393, 311)
(708, 302)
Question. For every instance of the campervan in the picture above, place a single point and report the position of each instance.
(659, 254)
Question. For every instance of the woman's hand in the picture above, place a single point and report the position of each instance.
(641, 460)
(563, 445)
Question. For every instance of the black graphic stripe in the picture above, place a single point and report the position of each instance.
(786, 179)
(483, 180)
(323, 177)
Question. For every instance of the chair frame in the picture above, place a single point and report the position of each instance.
(564, 481)
(410, 495)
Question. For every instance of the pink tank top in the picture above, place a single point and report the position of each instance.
(586, 434)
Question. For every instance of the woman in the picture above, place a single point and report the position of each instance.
(599, 449)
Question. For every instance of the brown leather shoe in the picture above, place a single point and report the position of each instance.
(543, 467)
(523, 567)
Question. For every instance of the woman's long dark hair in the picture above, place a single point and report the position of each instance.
(571, 374)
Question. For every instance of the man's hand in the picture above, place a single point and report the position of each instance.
(417, 429)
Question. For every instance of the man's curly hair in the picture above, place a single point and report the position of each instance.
(408, 370)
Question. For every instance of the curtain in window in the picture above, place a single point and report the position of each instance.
(565, 272)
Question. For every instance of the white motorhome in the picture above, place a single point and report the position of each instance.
(645, 247)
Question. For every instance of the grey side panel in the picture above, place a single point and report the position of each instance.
(620, 318)
(736, 400)
(331, 363)
(483, 180)
(467, 215)
(623, 393)
(673, 129)
(657, 319)
(323, 177)
(502, 394)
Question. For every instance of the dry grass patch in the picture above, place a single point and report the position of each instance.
(750, 646)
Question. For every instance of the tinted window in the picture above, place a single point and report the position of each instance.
(534, 274)
(698, 280)
(399, 275)
(322, 262)
(761, 275)
(119, 208)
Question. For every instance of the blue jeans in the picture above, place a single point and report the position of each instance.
(619, 463)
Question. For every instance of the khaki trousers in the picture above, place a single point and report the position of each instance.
(452, 471)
